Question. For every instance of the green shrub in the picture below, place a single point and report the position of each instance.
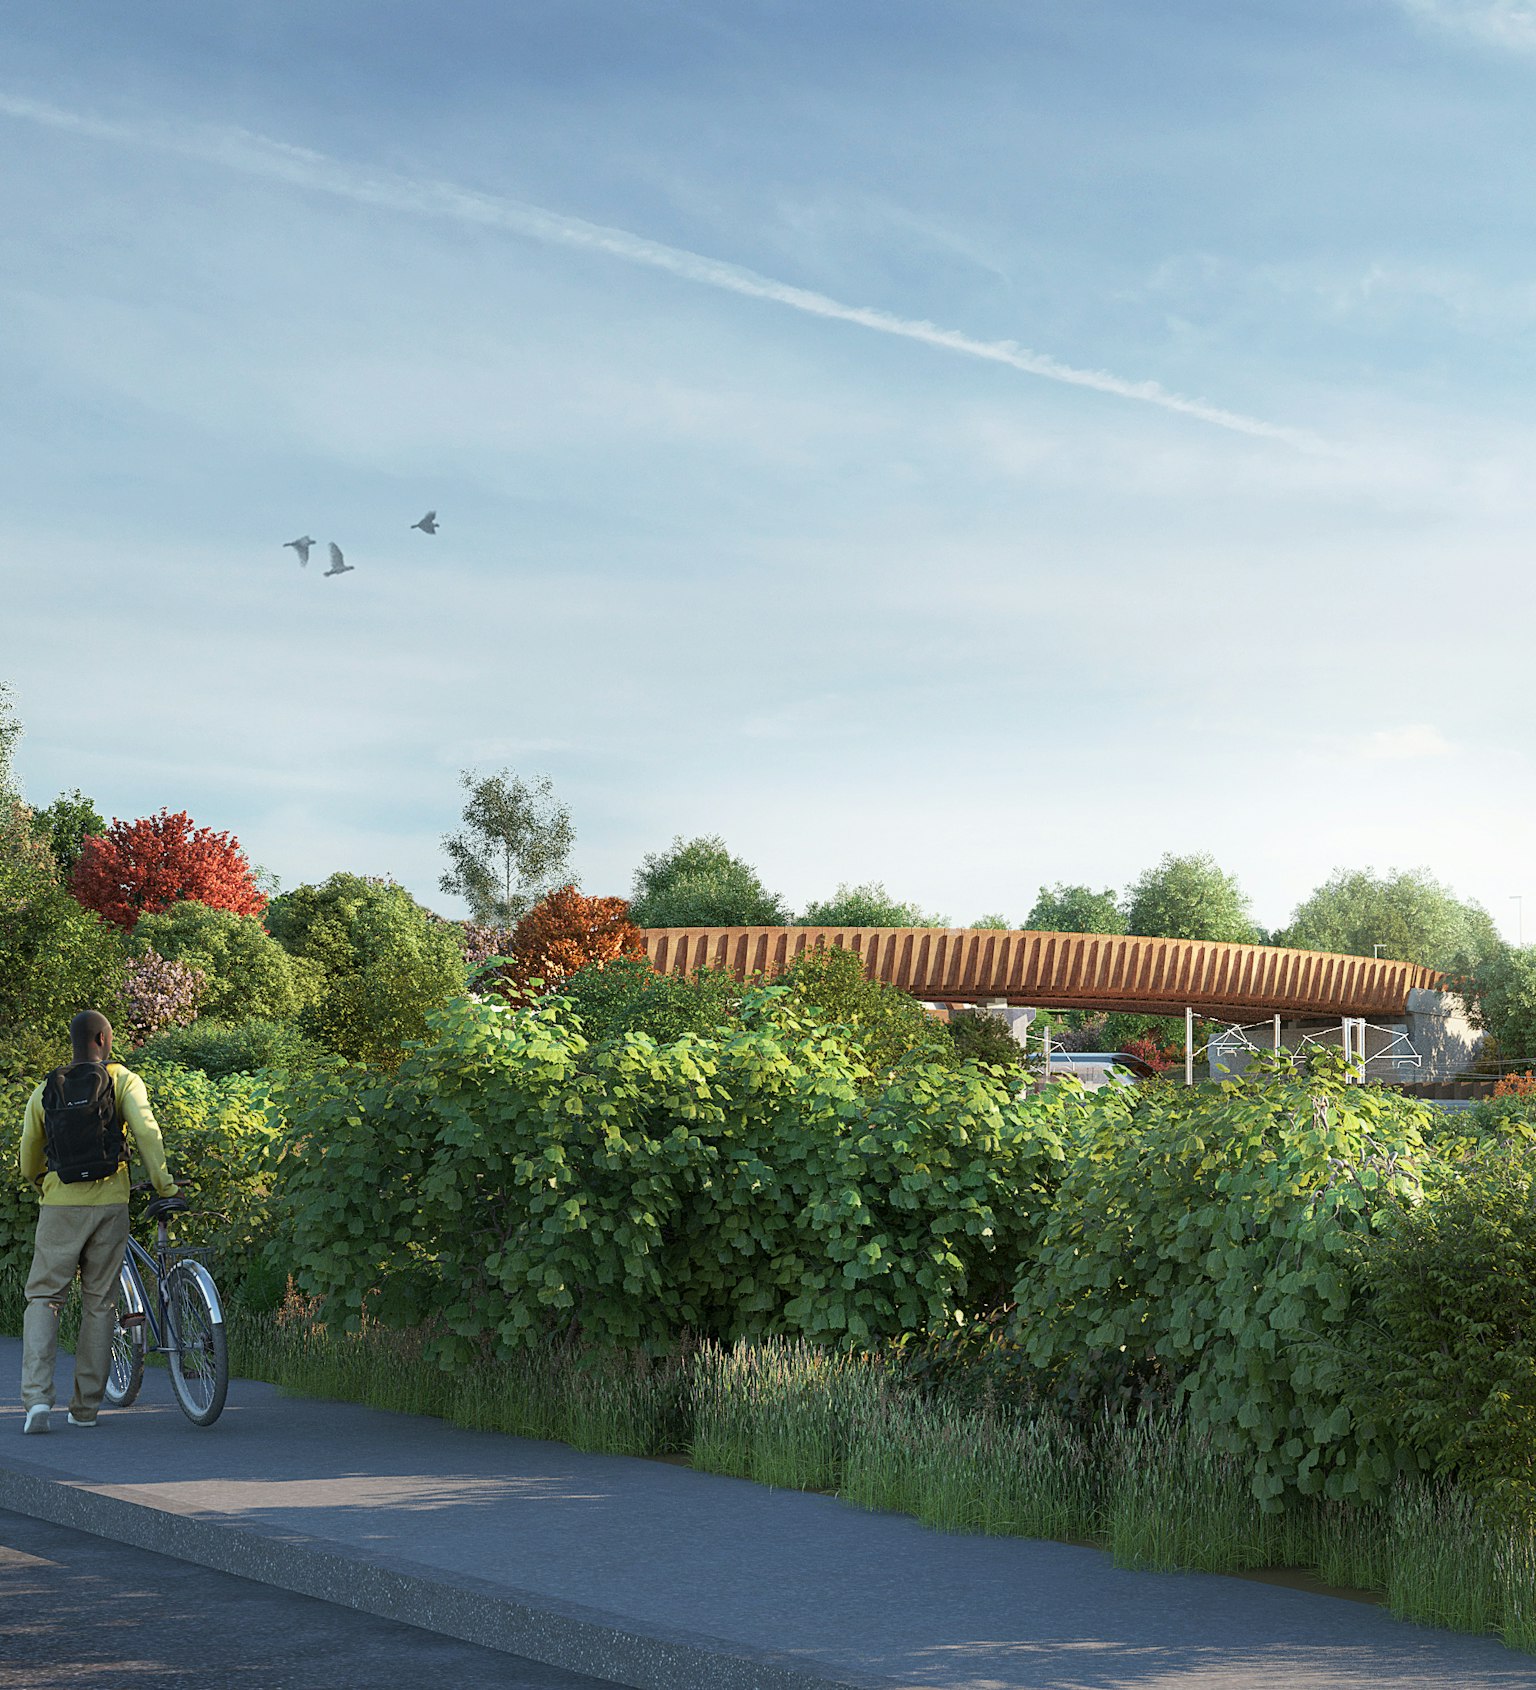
(1200, 1238)
(518, 1180)
(218, 1137)
(55, 957)
(886, 1025)
(245, 1048)
(382, 963)
(980, 1036)
(1451, 1358)
(247, 974)
(627, 995)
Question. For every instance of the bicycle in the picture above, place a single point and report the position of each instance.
(185, 1320)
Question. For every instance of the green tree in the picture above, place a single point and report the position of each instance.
(1504, 1000)
(248, 974)
(1189, 898)
(514, 847)
(998, 923)
(55, 957)
(10, 734)
(867, 906)
(1409, 915)
(381, 963)
(1075, 909)
(65, 825)
(698, 883)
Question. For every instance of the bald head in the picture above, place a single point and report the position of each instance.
(90, 1033)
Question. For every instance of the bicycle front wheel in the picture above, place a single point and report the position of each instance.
(125, 1369)
(199, 1353)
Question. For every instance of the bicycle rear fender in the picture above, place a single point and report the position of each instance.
(130, 1290)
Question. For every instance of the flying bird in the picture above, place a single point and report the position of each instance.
(428, 524)
(337, 566)
(301, 547)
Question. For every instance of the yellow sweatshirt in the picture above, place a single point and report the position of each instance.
(133, 1108)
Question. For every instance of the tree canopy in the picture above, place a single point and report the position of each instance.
(246, 972)
(382, 963)
(514, 847)
(1505, 1000)
(139, 867)
(869, 905)
(65, 825)
(10, 734)
(1075, 909)
(564, 934)
(698, 883)
(55, 956)
(1408, 915)
(1189, 898)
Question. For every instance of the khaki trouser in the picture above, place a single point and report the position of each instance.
(89, 1237)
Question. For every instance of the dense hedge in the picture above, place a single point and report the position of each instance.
(219, 1136)
(515, 1180)
(1332, 1282)
(1200, 1241)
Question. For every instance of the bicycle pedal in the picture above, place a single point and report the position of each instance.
(130, 1319)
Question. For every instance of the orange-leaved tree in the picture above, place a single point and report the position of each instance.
(566, 932)
(138, 868)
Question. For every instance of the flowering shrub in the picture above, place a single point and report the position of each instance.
(482, 942)
(160, 994)
(1516, 1085)
(1158, 1057)
(148, 865)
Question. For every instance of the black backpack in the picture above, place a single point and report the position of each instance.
(82, 1134)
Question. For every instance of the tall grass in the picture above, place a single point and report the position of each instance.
(1449, 1561)
(1175, 1500)
(613, 1401)
(1156, 1492)
(1022, 1474)
(783, 1414)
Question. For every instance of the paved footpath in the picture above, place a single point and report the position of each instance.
(647, 1574)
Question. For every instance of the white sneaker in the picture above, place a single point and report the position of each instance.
(74, 1422)
(37, 1418)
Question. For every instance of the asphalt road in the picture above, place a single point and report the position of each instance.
(80, 1613)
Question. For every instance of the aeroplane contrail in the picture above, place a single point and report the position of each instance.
(260, 156)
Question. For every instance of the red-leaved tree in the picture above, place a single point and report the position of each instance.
(141, 867)
(564, 933)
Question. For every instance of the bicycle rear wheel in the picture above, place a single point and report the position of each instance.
(125, 1370)
(199, 1353)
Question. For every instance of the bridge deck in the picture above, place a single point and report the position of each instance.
(1096, 971)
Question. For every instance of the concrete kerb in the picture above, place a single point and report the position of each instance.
(561, 1634)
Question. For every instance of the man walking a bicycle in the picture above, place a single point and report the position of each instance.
(74, 1149)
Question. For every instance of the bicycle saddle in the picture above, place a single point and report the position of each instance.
(160, 1207)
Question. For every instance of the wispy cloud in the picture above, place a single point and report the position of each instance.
(1507, 23)
(260, 156)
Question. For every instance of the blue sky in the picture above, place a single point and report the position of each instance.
(967, 446)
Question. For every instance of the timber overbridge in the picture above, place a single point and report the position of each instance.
(1092, 971)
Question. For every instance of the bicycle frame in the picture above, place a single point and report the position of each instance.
(135, 1259)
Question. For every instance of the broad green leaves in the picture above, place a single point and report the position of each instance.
(515, 1181)
(1197, 1245)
